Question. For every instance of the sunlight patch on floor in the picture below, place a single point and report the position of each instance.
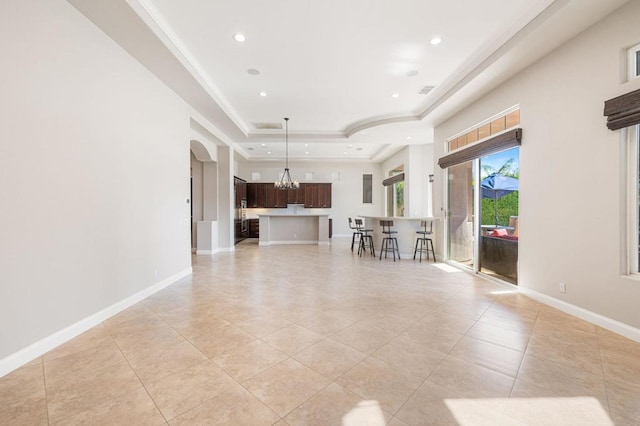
(446, 268)
(551, 410)
(364, 413)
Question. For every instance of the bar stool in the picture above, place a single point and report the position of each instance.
(356, 232)
(366, 239)
(424, 243)
(389, 240)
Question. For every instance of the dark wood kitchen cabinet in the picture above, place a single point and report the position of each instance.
(240, 190)
(254, 228)
(317, 195)
(296, 196)
(256, 195)
(275, 198)
(265, 195)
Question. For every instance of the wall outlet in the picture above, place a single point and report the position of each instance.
(563, 288)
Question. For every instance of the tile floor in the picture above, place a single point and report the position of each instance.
(308, 335)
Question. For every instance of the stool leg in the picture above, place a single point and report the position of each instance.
(373, 250)
(433, 252)
(415, 250)
(382, 249)
(393, 250)
(395, 240)
(353, 239)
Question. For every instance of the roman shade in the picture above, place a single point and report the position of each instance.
(393, 179)
(623, 111)
(497, 143)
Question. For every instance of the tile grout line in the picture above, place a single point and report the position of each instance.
(46, 394)
(604, 375)
(137, 376)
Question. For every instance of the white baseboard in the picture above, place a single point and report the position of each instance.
(203, 252)
(43, 346)
(293, 242)
(594, 318)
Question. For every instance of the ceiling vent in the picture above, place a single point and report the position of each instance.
(267, 126)
(425, 90)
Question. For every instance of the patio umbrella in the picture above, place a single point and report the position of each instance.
(496, 186)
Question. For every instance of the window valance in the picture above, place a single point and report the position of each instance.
(393, 179)
(623, 111)
(497, 143)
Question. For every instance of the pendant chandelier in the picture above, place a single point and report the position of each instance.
(285, 181)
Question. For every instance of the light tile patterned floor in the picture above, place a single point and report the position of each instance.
(302, 335)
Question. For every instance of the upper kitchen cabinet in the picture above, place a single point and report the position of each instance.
(265, 195)
(257, 195)
(317, 195)
(240, 190)
(296, 196)
(275, 198)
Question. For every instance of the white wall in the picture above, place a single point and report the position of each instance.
(570, 184)
(418, 165)
(346, 191)
(94, 173)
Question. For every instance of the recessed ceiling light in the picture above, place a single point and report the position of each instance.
(263, 94)
(349, 145)
(262, 144)
(395, 95)
(306, 144)
(239, 37)
(306, 152)
(409, 138)
(412, 73)
(436, 40)
(268, 152)
(346, 152)
(253, 71)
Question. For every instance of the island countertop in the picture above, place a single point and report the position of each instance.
(292, 228)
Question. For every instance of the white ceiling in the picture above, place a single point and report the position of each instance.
(333, 65)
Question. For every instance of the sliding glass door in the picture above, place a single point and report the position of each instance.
(460, 214)
(499, 220)
(482, 214)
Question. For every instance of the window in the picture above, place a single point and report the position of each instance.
(395, 192)
(367, 189)
(633, 211)
(633, 62)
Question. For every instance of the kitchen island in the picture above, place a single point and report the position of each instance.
(294, 229)
(406, 228)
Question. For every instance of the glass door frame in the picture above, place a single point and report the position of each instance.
(475, 265)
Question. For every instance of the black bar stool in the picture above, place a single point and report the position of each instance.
(366, 239)
(389, 243)
(357, 232)
(424, 243)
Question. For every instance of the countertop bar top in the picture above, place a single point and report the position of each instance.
(292, 214)
(399, 217)
(405, 226)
